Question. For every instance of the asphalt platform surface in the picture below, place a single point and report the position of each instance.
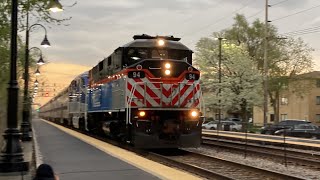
(73, 159)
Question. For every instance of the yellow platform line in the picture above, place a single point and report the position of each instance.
(157, 169)
(288, 141)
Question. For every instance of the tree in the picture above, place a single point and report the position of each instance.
(38, 13)
(286, 57)
(241, 81)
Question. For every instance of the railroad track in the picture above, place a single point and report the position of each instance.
(276, 154)
(214, 168)
(256, 139)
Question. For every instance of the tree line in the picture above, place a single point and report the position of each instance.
(38, 13)
(242, 66)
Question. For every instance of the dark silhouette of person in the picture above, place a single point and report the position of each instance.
(45, 172)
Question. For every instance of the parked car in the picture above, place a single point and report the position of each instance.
(225, 125)
(301, 130)
(285, 124)
(210, 125)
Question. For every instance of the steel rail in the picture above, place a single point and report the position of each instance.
(300, 158)
(216, 168)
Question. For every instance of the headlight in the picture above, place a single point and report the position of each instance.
(160, 42)
(167, 72)
(167, 65)
(142, 113)
(194, 114)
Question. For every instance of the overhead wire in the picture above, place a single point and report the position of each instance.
(262, 10)
(303, 33)
(255, 14)
(306, 30)
(279, 3)
(283, 17)
(222, 18)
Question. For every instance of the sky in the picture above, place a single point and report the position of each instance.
(98, 27)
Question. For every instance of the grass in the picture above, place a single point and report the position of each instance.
(254, 129)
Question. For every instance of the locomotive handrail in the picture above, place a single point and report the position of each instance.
(128, 118)
(155, 78)
(203, 105)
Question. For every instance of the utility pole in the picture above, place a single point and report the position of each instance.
(265, 68)
(220, 54)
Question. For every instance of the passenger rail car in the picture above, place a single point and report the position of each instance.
(57, 108)
(147, 93)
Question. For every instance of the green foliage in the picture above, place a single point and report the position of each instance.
(240, 83)
(38, 13)
(287, 57)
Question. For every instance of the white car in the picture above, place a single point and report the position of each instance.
(225, 125)
(210, 125)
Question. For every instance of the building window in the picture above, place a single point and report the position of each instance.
(271, 117)
(284, 101)
(318, 117)
(318, 100)
(318, 83)
(284, 116)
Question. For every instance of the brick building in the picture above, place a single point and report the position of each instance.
(300, 100)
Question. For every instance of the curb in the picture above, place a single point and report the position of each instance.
(38, 155)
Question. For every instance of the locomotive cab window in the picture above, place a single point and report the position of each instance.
(181, 55)
(160, 53)
(135, 55)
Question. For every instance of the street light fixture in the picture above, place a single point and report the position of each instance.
(25, 125)
(55, 6)
(40, 61)
(37, 73)
(36, 82)
(45, 42)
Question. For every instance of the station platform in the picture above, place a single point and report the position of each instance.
(75, 156)
(267, 138)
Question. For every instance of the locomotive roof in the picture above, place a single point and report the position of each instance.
(151, 42)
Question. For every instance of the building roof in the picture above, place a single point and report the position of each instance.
(313, 74)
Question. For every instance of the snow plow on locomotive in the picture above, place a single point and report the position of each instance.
(147, 93)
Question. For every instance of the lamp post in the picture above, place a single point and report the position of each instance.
(25, 125)
(12, 156)
(54, 6)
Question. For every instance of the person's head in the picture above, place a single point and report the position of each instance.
(44, 172)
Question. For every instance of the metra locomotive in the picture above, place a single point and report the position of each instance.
(146, 92)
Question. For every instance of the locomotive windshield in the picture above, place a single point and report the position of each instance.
(135, 55)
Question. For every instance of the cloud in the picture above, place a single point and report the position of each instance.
(98, 27)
